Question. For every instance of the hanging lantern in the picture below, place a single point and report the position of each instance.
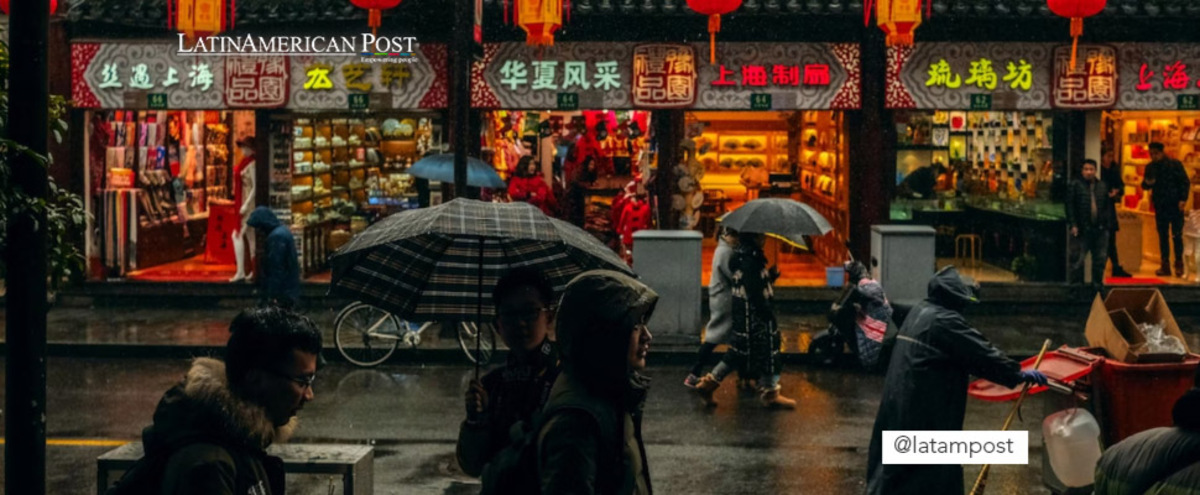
(4, 6)
(1076, 10)
(713, 9)
(897, 18)
(375, 10)
(199, 18)
(539, 19)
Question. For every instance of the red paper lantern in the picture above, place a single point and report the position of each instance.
(53, 6)
(539, 19)
(1076, 10)
(198, 18)
(713, 9)
(897, 18)
(375, 10)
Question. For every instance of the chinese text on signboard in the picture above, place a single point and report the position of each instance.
(664, 76)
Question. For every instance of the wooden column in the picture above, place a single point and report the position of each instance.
(668, 128)
(872, 148)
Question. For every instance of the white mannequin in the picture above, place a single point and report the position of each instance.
(244, 209)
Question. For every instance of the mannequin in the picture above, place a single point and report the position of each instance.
(243, 197)
(546, 150)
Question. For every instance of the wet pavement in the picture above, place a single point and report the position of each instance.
(1018, 333)
(411, 415)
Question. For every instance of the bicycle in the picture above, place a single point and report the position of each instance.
(367, 336)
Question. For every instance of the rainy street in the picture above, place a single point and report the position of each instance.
(411, 415)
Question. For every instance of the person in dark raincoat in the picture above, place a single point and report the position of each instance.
(926, 386)
(281, 272)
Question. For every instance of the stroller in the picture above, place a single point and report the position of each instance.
(861, 324)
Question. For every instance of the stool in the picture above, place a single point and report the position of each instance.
(968, 247)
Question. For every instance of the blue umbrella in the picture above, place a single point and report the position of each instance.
(441, 168)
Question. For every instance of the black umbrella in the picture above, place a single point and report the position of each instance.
(441, 262)
(787, 219)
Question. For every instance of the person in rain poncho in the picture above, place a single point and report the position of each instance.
(926, 385)
(281, 272)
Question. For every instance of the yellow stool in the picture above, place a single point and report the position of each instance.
(968, 247)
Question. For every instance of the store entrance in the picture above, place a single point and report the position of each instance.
(797, 155)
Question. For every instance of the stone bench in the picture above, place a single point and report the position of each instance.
(354, 462)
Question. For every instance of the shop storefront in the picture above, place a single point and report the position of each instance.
(166, 172)
(978, 156)
(763, 121)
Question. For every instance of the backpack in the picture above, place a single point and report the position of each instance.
(515, 468)
(146, 475)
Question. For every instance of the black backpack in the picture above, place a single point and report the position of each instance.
(515, 468)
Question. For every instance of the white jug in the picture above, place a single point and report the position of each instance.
(1072, 438)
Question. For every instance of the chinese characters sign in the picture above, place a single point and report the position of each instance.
(647, 76)
(1153, 76)
(946, 75)
(104, 74)
(1093, 83)
(664, 76)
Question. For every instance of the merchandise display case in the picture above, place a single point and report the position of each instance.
(1179, 132)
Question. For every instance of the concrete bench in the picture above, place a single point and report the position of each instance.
(354, 462)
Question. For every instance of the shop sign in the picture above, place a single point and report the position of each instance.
(948, 75)
(518, 76)
(647, 76)
(1153, 75)
(760, 101)
(256, 82)
(1093, 83)
(568, 101)
(328, 82)
(794, 75)
(664, 76)
(102, 74)
(359, 101)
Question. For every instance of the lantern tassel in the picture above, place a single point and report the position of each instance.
(374, 19)
(232, 15)
(567, 7)
(868, 5)
(1076, 32)
(505, 10)
(714, 25)
(171, 14)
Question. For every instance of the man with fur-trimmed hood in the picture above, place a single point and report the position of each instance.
(216, 424)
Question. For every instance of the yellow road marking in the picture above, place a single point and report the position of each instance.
(82, 442)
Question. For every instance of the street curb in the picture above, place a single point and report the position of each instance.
(671, 356)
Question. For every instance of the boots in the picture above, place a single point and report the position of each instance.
(772, 399)
(705, 389)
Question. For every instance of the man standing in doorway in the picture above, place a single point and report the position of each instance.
(1168, 183)
(1090, 214)
(1110, 174)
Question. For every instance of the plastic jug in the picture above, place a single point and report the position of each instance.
(1072, 438)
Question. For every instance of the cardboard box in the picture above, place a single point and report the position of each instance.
(1113, 325)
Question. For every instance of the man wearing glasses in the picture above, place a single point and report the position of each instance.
(516, 391)
(213, 428)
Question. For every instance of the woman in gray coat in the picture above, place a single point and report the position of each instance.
(720, 307)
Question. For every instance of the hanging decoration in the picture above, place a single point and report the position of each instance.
(538, 18)
(198, 18)
(4, 6)
(897, 18)
(714, 9)
(375, 10)
(1076, 10)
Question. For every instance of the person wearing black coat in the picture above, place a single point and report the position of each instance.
(1161, 461)
(1110, 174)
(281, 272)
(1169, 185)
(935, 353)
(1091, 218)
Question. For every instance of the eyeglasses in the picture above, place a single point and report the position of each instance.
(305, 382)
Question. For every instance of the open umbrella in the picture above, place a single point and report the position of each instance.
(441, 168)
(786, 219)
(441, 263)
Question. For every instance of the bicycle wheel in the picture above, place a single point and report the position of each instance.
(466, 341)
(366, 335)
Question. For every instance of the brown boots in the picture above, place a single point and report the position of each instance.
(707, 386)
(771, 398)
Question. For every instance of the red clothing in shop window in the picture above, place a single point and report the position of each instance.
(636, 216)
(238, 193)
(532, 190)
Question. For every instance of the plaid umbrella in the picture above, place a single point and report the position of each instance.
(441, 263)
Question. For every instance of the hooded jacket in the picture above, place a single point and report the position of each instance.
(225, 437)
(573, 456)
(281, 273)
(1159, 461)
(926, 385)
